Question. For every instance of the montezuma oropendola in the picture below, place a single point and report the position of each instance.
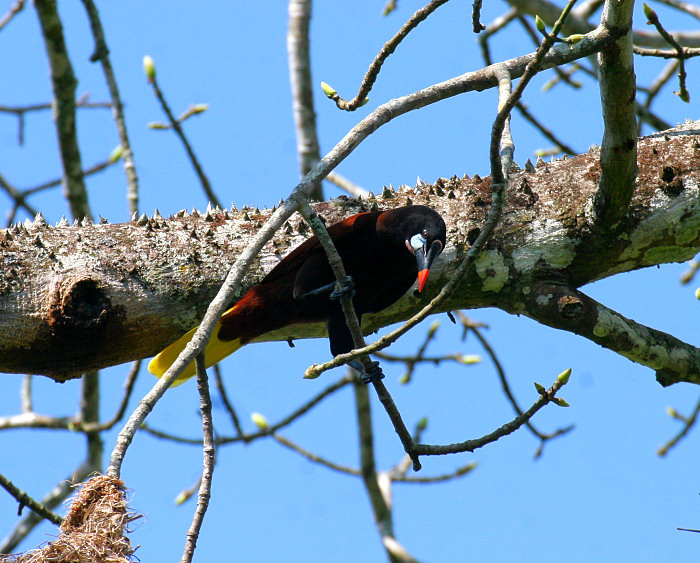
(383, 252)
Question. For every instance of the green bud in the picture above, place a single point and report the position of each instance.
(364, 102)
(433, 328)
(560, 402)
(404, 379)
(200, 108)
(115, 155)
(539, 24)
(469, 359)
(540, 388)
(181, 498)
(157, 125)
(575, 38)
(422, 424)
(684, 95)
(149, 68)
(673, 413)
(662, 451)
(328, 90)
(563, 377)
(697, 293)
(311, 373)
(648, 12)
(259, 420)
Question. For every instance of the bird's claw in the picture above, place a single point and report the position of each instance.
(369, 374)
(344, 289)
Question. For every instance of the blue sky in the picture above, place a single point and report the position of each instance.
(600, 493)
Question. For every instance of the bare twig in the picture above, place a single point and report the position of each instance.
(546, 396)
(102, 54)
(682, 93)
(25, 500)
(203, 180)
(388, 48)
(688, 423)
(474, 328)
(344, 184)
(287, 443)
(227, 403)
(53, 499)
(17, 7)
(209, 452)
(299, 63)
(84, 426)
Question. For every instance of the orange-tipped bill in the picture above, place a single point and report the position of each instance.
(425, 260)
(422, 278)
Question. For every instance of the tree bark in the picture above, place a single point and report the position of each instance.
(80, 297)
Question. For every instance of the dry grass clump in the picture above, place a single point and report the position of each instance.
(93, 530)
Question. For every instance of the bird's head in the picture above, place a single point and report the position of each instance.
(423, 232)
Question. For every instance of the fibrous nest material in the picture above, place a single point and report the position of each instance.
(93, 530)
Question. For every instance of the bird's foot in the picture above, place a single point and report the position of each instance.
(344, 289)
(367, 375)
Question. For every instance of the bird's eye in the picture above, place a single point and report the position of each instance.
(417, 241)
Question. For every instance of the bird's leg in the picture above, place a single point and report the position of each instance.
(368, 374)
(338, 290)
(323, 289)
(344, 289)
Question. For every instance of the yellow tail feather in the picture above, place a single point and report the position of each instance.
(215, 351)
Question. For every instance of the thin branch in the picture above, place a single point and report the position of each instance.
(35, 420)
(25, 394)
(388, 48)
(546, 396)
(688, 423)
(25, 500)
(53, 499)
(203, 180)
(545, 131)
(344, 184)
(299, 62)
(380, 498)
(682, 93)
(298, 412)
(468, 325)
(456, 474)
(101, 53)
(17, 7)
(128, 389)
(209, 454)
(227, 403)
(315, 458)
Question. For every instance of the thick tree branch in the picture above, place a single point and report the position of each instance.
(142, 284)
(618, 155)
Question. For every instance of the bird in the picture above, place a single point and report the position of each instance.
(383, 252)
